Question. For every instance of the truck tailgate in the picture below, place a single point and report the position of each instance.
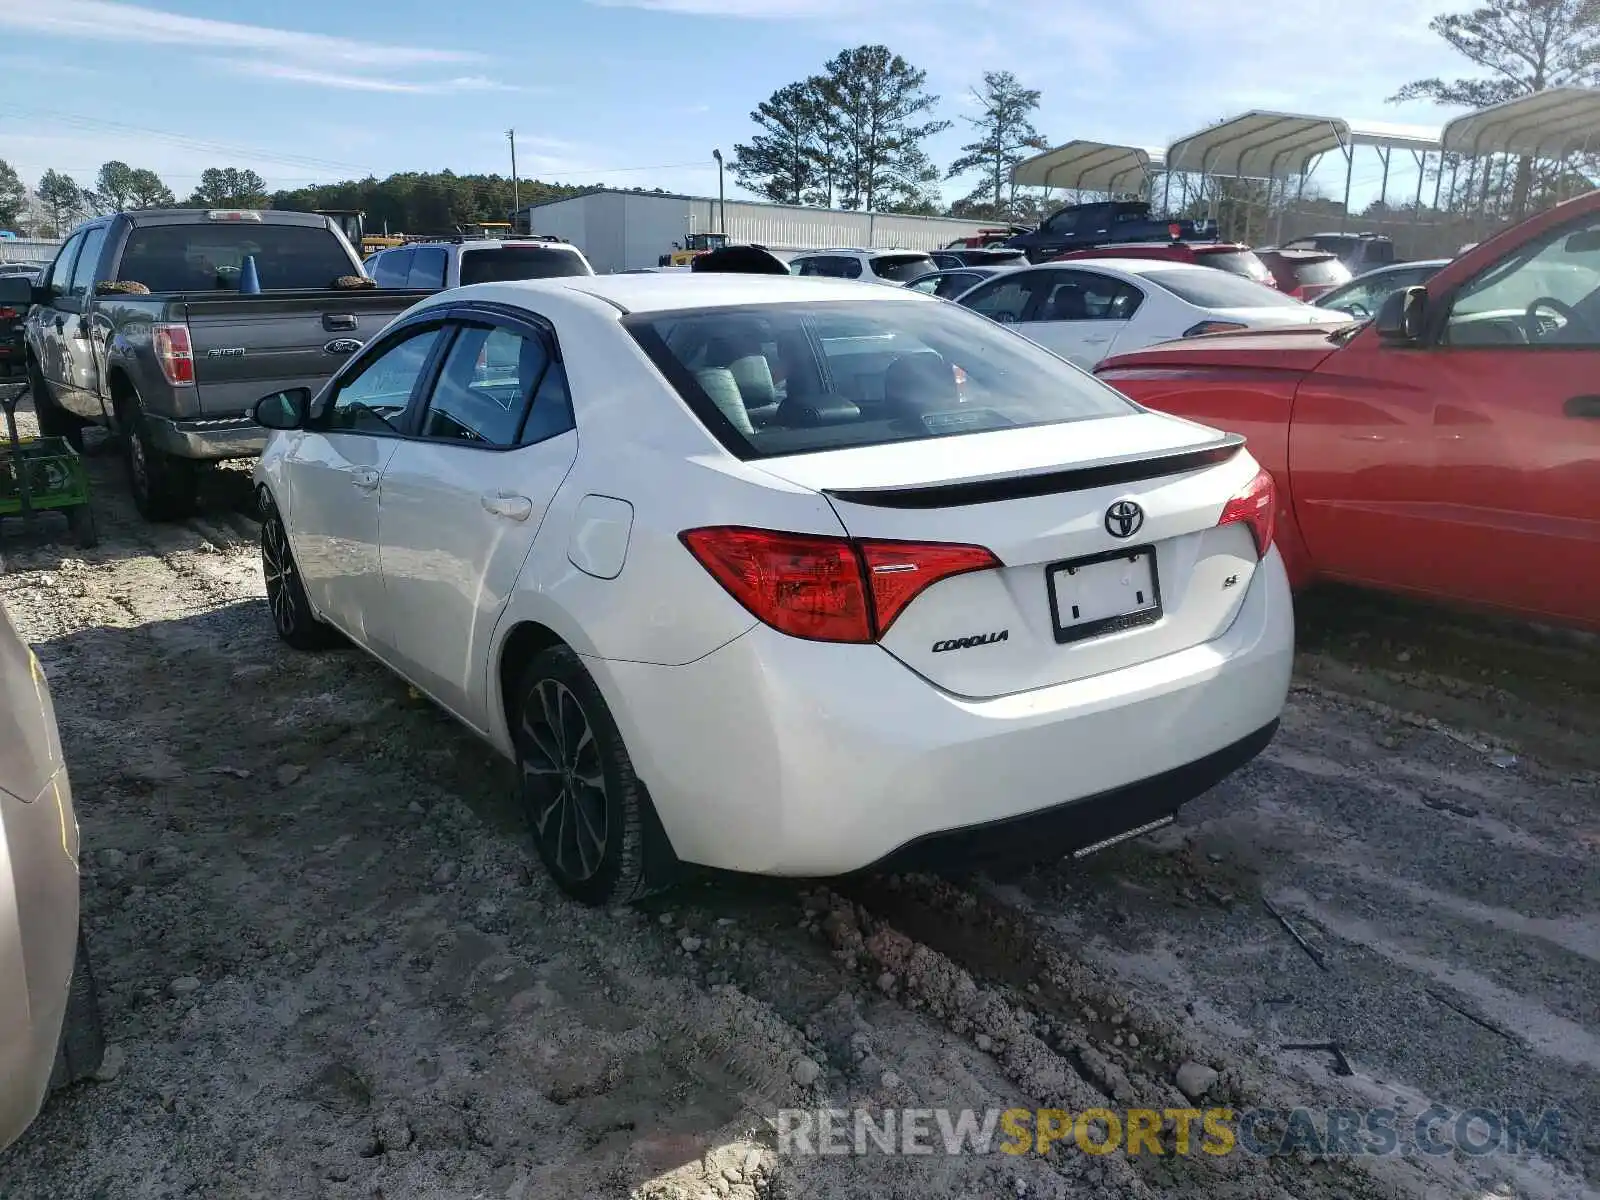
(247, 346)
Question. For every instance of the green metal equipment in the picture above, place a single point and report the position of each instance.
(42, 474)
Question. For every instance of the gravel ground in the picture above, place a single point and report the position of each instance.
(331, 967)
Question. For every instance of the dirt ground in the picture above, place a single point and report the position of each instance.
(330, 965)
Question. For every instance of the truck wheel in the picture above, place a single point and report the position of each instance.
(83, 1043)
(80, 522)
(54, 421)
(163, 485)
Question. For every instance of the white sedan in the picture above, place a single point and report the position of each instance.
(1088, 310)
(782, 576)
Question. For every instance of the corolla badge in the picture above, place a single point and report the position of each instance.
(342, 346)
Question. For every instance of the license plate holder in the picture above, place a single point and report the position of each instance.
(1103, 593)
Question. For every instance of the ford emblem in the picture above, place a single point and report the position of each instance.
(342, 346)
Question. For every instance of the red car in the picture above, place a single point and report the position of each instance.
(1233, 257)
(1306, 274)
(1449, 448)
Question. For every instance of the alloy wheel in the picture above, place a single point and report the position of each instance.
(277, 564)
(561, 761)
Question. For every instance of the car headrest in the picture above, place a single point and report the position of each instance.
(719, 384)
(753, 374)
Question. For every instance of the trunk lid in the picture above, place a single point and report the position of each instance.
(1295, 348)
(1072, 599)
(246, 346)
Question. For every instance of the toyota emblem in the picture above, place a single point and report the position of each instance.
(1124, 519)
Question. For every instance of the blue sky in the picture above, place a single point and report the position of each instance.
(639, 92)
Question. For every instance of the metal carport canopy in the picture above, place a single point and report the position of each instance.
(1258, 145)
(1548, 124)
(1087, 166)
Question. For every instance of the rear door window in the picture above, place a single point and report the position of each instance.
(88, 260)
(1087, 296)
(428, 267)
(952, 285)
(393, 268)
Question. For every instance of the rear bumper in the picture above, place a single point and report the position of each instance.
(38, 944)
(209, 438)
(786, 757)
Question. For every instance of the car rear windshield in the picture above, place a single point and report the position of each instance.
(794, 378)
(1219, 289)
(1235, 262)
(902, 268)
(506, 263)
(209, 256)
(1321, 271)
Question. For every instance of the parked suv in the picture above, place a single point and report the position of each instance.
(49, 1019)
(461, 261)
(897, 267)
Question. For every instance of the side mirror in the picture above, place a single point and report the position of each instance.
(16, 291)
(1400, 316)
(283, 410)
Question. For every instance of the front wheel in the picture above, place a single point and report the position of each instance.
(82, 1045)
(592, 822)
(292, 615)
(54, 421)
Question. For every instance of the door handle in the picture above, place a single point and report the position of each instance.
(507, 504)
(334, 322)
(365, 478)
(1583, 408)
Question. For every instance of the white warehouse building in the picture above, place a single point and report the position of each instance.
(621, 231)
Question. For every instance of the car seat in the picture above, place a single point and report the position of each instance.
(1068, 304)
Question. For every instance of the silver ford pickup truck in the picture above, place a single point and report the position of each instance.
(165, 326)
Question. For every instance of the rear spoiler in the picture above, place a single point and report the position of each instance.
(1105, 473)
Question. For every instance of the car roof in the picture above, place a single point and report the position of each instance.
(1133, 266)
(664, 292)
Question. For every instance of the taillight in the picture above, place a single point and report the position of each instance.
(8, 314)
(1255, 505)
(822, 588)
(174, 353)
(1212, 327)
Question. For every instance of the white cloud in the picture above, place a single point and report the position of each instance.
(111, 20)
(761, 9)
(366, 83)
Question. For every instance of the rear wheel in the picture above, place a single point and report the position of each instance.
(54, 421)
(80, 521)
(292, 614)
(83, 1044)
(163, 485)
(591, 819)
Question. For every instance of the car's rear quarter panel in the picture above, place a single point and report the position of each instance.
(1255, 402)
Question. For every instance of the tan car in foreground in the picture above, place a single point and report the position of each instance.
(49, 1019)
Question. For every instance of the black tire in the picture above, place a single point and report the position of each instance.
(292, 616)
(163, 485)
(80, 522)
(591, 819)
(83, 1043)
(54, 421)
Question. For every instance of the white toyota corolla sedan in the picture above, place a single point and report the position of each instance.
(780, 575)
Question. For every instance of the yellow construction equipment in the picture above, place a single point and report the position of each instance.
(693, 247)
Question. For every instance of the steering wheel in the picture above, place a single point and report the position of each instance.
(1533, 329)
(1356, 310)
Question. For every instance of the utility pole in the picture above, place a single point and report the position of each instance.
(722, 202)
(516, 205)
